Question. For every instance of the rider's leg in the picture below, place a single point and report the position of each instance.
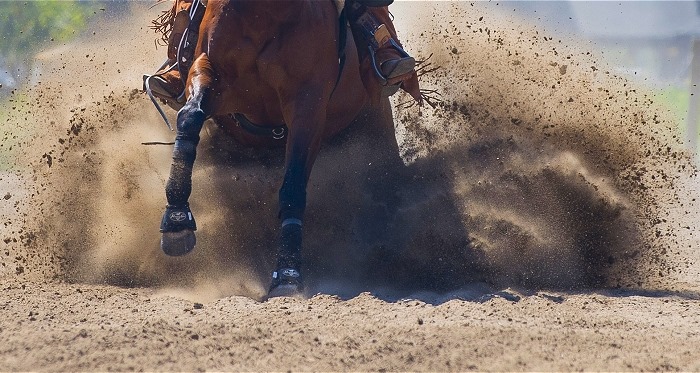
(374, 28)
(382, 55)
(167, 82)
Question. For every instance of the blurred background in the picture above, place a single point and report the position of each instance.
(650, 42)
(27, 27)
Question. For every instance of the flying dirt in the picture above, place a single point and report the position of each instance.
(544, 218)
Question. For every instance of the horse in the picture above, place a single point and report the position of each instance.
(268, 73)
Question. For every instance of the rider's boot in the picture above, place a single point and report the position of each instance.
(383, 58)
(167, 83)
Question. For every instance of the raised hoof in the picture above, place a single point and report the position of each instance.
(178, 243)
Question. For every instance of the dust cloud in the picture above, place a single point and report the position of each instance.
(536, 169)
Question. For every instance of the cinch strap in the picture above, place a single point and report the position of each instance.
(277, 133)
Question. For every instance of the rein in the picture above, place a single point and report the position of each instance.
(342, 41)
(149, 92)
(187, 41)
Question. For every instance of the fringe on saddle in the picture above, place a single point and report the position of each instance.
(163, 24)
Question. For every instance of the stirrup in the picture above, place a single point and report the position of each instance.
(378, 36)
(404, 65)
(182, 62)
(174, 102)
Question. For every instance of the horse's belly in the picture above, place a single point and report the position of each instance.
(230, 127)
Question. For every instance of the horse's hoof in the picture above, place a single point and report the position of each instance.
(286, 290)
(286, 282)
(178, 243)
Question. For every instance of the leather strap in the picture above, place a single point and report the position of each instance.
(277, 132)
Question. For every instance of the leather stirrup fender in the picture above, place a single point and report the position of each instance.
(180, 24)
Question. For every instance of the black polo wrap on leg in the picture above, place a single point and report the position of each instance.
(290, 247)
(189, 123)
(292, 199)
(288, 270)
(179, 187)
(292, 195)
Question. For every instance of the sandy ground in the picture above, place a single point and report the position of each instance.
(57, 327)
(550, 224)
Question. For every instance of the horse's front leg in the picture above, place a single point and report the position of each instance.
(307, 119)
(178, 224)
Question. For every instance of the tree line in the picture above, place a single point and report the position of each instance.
(26, 26)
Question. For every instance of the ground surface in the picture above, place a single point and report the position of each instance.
(59, 327)
(551, 225)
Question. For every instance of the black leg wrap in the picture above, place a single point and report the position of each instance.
(190, 120)
(292, 195)
(287, 276)
(185, 149)
(177, 218)
(287, 279)
(290, 247)
(189, 123)
(178, 225)
(179, 187)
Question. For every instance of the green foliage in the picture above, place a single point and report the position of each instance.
(26, 25)
(675, 101)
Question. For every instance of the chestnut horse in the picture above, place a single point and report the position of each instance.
(275, 64)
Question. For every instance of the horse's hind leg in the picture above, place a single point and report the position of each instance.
(178, 224)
